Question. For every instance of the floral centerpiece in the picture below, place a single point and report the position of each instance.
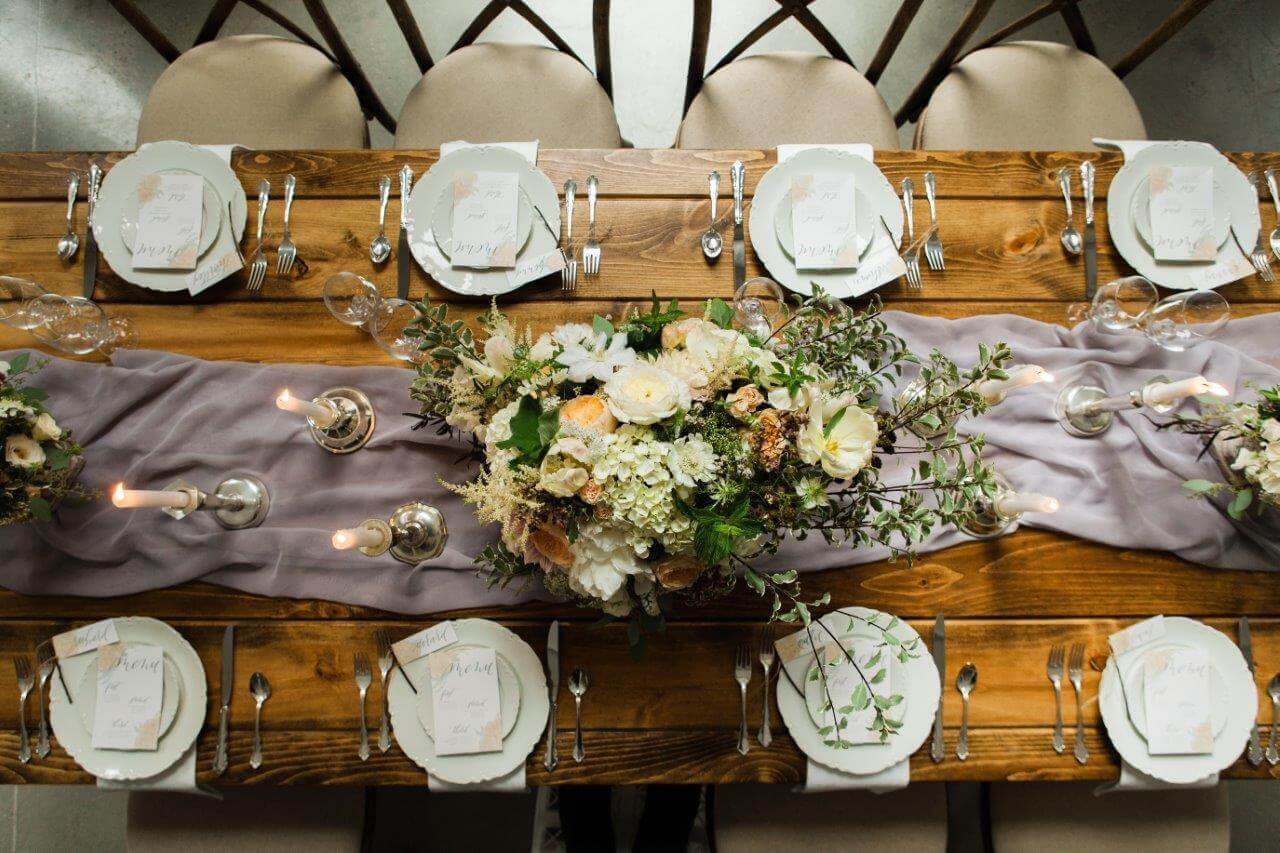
(634, 464)
(40, 459)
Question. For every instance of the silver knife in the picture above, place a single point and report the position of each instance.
(1246, 649)
(737, 173)
(553, 678)
(402, 248)
(1090, 236)
(227, 678)
(940, 660)
(90, 242)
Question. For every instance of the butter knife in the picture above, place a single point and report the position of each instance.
(90, 242)
(1090, 236)
(1246, 649)
(939, 650)
(227, 677)
(553, 679)
(738, 174)
(402, 247)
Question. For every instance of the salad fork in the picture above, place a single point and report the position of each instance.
(910, 255)
(288, 252)
(1055, 677)
(767, 658)
(569, 275)
(1275, 202)
(742, 675)
(22, 668)
(44, 667)
(1075, 671)
(591, 251)
(1257, 257)
(364, 677)
(933, 246)
(384, 670)
(258, 263)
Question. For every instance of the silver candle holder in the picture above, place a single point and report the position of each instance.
(991, 521)
(239, 502)
(1085, 410)
(353, 422)
(414, 533)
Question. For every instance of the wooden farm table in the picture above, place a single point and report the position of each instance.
(671, 716)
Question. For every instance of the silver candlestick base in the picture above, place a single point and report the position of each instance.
(239, 502)
(1085, 410)
(989, 523)
(354, 425)
(414, 533)
(911, 393)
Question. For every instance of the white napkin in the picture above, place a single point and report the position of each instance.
(527, 150)
(820, 779)
(180, 778)
(513, 783)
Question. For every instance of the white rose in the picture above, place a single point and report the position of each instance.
(570, 334)
(1246, 458)
(46, 428)
(644, 394)
(602, 562)
(716, 344)
(23, 452)
(543, 348)
(563, 482)
(844, 448)
(1269, 480)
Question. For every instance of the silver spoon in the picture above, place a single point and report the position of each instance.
(711, 241)
(577, 686)
(68, 243)
(1070, 236)
(1273, 690)
(965, 682)
(260, 690)
(380, 248)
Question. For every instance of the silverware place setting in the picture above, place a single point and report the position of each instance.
(380, 248)
(767, 658)
(742, 667)
(578, 682)
(939, 652)
(385, 661)
(553, 688)
(287, 253)
(258, 263)
(591, 253)
(1054, 671)
(1245, 638)
(90, 278)
(364, 677)
(224, 712)
(1090, 234)
(260, 690)
(22, 669)
(1274, 237)
(1068, 236)
(933, 245)
(44, 670)
(402, 244)
(569, 275)
(1075, 672)
(1273, 692)
(68, 243)
(966, 681)
(1257, 255)
(712, 242)
(911, 254)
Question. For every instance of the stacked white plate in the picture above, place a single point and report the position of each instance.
(1233, 699)
(431, 209)
(522, 692)
(181, 716)
(1235, 205)
(115, 218)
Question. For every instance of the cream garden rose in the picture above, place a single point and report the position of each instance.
(46, 428)
(644, 394)
(21, 451)
(839, 436)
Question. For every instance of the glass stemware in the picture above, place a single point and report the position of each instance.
(21, 305)
(1118, 305)
(79, 326)
(758, 305)
(1184, 319)
(350, 298)
(390, 320)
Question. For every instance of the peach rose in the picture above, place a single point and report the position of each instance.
(674, 334)
(552, 542)
(589, 412)
(744, 401)
(678, 572)
(591, 492)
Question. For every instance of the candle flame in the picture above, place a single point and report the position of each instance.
(118, 495)
(1046, 376)
(283, 396)
(342, 540)
(1051, 505)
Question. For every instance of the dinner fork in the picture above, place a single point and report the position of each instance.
(1275, 202)
(258, 263)
(384, 670)
(591, 251)
(933, 246)
(767, 658)
(1075, 671)
(22, 668)
(364, 677)
(742, 674)
(910, 255)
(569, 275)
(1055, 677)
(287, 252)
(1257, 257)
(44, 667)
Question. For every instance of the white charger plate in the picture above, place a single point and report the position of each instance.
(921, 692)
(86, 695)
(508, 693)
(425, 194)
(1135, 682)
(121, 183)
(531, 718)
(442, 222)
(116, 764)
(813, 693)
(1227, 746)
(212, 214)
(774, 189)
(864, 223)
(1240, 206)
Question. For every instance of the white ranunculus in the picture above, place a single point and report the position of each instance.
(602, 561)
(499, 352)
(571, 334)
(46, 428)
(543, 348)
(596, 358)
(844, 448)
(645, 394)
(20, 451)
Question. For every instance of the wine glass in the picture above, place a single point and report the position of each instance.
(1184, 319)
(350, 298)
(1118, 305)
(757, 306)
(20, 304)
(390, 320)
(73, 324)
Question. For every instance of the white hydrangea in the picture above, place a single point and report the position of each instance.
(639, 487)
(499, 429)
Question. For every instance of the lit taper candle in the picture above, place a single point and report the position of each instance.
(994, 390)
(322, 416)
(364, 536)
(1010, 504)
(140, 499)
(1167, 393)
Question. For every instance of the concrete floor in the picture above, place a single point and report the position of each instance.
(73, 76)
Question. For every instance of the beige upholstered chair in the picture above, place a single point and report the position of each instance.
(773, 819)
(262, 820)
(1066, 817)
(500, 92)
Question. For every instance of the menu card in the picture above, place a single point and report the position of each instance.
(130, 696)
(484, 219)
(71, 643)
(170, 210)
(1176, 688)
(465, 701)
(848, 689)
(424, 642)
(1181, 200)
(822, 221)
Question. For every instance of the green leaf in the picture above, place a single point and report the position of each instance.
(835, 419)
(58, 458)
(600, 325)
(861, 698)
(1199, 487)
(20, 362)
(719, 312)
(528, 426)
(1240, 503)
(40, 509)
(753, 580)
(879, 676)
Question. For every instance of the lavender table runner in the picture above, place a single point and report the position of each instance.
(151, 417)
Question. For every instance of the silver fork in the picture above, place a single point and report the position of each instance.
(1055, 677)
(569, 275)
(1075, 671)
(591, 251)
(911, 254)
(933, 246)
(1258, 257)
(22, 668)
(1275, 202)
(742, 674)
(258, 263)
(44, 667)
(364, 677)
(287, 252)
(384, 670)
(767, 658)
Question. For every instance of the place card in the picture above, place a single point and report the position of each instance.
(465, 702)
(540, 267)
(1181, 207)
(484, 219)
(1232, 267)
(843, 682)
(130, 696)
(1136, 635)
(170, 209)
(80, 640)
(822, 221)
(424, 642)
(1176, 692)
(210, 273)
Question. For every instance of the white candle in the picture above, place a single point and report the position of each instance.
(137, 499)
(321, 416)
(1171, 392)
(357, 537)
(1028, 374)
(1011, 503)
